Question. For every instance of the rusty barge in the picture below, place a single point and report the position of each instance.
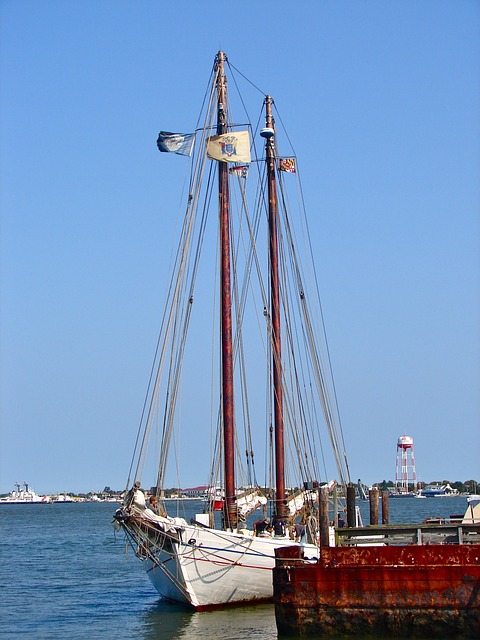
(426, 586)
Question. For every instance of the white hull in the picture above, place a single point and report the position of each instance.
(24, 496)
(212, 568)
(10, 501)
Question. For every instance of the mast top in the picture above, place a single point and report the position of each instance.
(221, 56)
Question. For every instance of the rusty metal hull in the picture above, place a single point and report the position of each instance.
(415, 591)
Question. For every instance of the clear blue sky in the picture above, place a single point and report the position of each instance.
(382, 100)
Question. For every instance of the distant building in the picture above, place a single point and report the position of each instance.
(195, 492)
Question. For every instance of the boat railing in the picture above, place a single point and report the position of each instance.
(404, 534)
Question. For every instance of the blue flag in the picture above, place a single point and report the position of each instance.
(181, 143)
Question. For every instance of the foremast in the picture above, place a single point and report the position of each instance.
(230, 507)
(275, 312)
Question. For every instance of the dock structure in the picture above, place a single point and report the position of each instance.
(406, 590)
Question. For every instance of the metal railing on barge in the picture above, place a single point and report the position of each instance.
(405, 534)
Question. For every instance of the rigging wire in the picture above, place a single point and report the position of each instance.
(230, 65)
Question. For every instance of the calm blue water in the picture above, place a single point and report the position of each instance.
(64, 573)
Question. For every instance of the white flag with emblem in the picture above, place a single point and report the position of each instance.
(229, 147)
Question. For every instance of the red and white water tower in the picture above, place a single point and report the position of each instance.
(405, 474)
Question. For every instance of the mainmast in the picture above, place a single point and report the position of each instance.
(230, 509)
(280, 503)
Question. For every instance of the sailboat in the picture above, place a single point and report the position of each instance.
(225, 554)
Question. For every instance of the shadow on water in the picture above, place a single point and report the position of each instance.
(163, 621)
(166, 621)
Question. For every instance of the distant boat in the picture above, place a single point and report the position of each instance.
(403, 494)
(437, 491)
(24, 496)
(274, 394)
(362, 490)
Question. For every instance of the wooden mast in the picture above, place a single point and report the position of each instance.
(230, 508)
(280, 503)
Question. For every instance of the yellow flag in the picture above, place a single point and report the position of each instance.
(229, 147)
